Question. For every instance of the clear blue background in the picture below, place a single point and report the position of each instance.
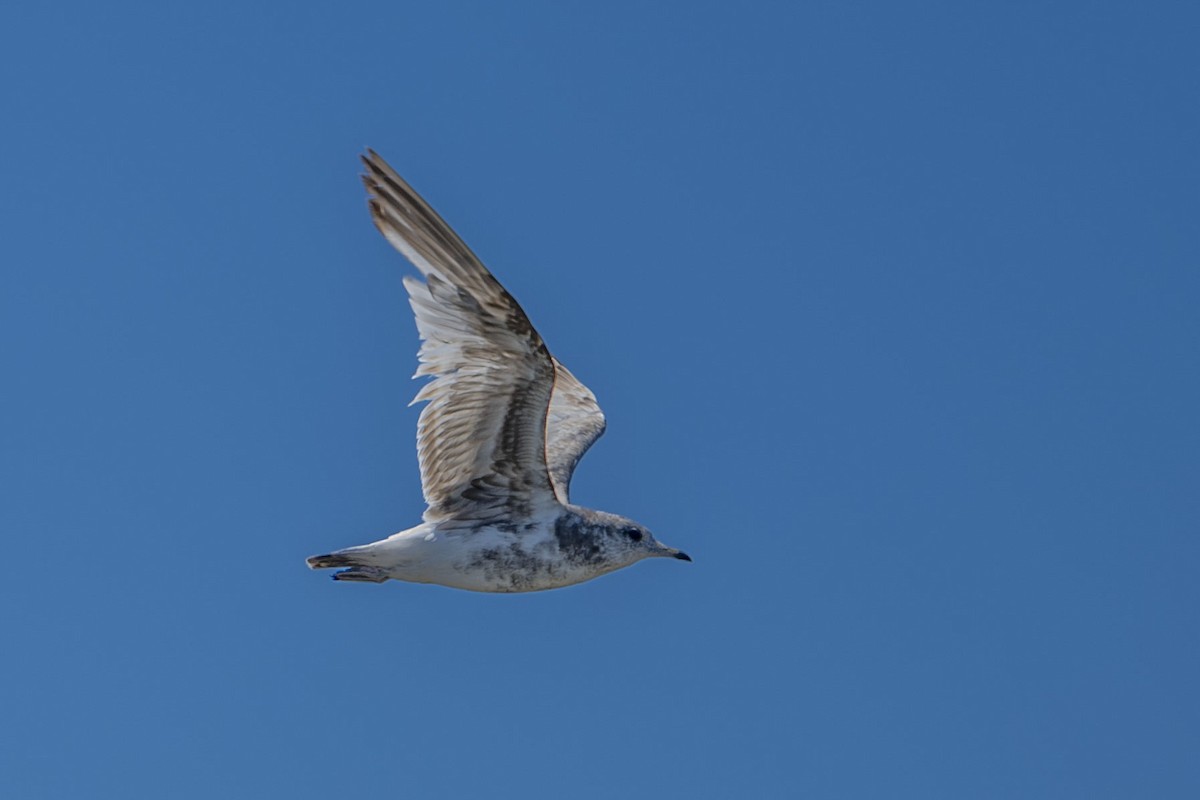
(892, 308)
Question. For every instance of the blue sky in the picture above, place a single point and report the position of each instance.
(892, 309)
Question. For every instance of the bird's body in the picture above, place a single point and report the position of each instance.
(503, 430)
(518, 556)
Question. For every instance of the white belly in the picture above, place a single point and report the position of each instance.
(509, 559)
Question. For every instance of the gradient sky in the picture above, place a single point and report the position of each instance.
(893, 309)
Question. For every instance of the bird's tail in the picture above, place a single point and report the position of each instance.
(328, 560)
(355, 559)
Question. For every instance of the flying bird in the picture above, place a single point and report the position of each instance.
(502, 430)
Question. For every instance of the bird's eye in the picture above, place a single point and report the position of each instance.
(633, 533)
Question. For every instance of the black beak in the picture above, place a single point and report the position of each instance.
(682, 556)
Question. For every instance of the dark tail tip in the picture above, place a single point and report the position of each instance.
(327, 561)
(361, 574)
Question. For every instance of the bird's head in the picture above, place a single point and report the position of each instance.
(635, 542)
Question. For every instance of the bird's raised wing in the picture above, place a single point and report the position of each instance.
(481, 440)
(574, 424)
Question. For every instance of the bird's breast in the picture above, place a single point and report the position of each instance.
(522, 559)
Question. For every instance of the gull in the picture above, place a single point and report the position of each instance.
(504, 425)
